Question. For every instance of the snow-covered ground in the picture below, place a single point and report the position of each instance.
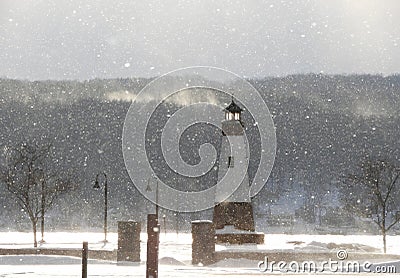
(175, 255)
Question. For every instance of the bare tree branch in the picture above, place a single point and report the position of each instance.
(33, 184)
(376, 190)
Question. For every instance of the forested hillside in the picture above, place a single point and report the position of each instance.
(324, 124)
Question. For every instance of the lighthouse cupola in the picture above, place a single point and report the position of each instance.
(233, 112)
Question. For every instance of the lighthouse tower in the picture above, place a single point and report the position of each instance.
(233, 216)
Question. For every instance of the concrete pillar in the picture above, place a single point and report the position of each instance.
(128, 241)
(203, 246)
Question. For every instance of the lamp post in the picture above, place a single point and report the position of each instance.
(148, 189)
(97, 186)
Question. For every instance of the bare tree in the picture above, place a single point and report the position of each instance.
(27, 175)
(374, 193)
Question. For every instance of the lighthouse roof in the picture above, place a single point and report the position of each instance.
(233, 108)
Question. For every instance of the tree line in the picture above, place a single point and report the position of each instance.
(326, 126)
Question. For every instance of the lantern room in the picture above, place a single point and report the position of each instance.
(233, 112)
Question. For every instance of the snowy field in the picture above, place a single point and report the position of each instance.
(175, 255)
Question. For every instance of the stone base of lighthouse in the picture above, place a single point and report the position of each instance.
(234, 224)
(237, 214)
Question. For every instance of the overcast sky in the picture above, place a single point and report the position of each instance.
(78, 39)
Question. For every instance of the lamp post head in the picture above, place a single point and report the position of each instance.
(96, 184)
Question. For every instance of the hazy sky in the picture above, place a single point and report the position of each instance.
(77, 39)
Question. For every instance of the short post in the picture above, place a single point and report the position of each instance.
(128, 241)
(203, 246)
(153, 233)
(85, 250)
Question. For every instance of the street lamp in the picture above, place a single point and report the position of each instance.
(97, 186)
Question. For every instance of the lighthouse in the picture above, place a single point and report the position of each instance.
(233, 215)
